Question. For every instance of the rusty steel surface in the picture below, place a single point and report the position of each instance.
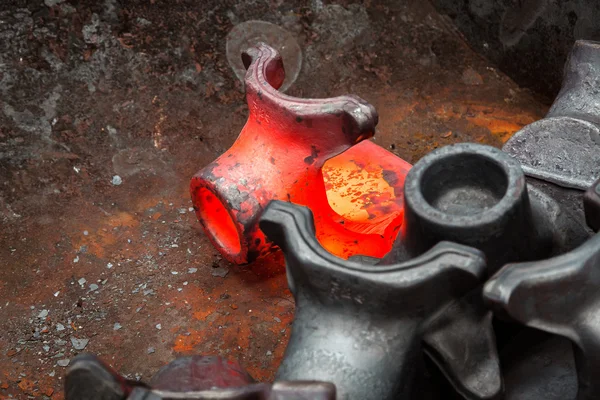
(108, 109)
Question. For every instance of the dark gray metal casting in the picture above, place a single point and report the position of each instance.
(462, 343)
(257, 391)
(186, 378)
(356, 325)
(561, 156)
(471, 194)
(478, 196)
(563, 148)
(561, 296)
(474, 195)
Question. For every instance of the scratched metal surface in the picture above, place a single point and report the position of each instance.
(143, 90)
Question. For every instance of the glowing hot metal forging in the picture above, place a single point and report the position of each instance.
(282, 153)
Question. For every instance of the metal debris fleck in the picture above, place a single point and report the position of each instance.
(79, 344)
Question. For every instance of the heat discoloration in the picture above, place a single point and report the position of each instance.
(281, 152)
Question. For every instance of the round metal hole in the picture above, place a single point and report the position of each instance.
(464, 184)
(218, 222)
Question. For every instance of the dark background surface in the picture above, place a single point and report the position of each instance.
(528, 39)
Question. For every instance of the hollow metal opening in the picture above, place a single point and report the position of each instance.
(464, 184)
(218, 222)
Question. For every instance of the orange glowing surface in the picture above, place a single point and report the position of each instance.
(309, 152)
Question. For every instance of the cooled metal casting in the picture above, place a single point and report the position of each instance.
(562, 148)
(474, 195)
(356, 325)
(186, 378)
(559, 296)
(560, 153)
(353, 319)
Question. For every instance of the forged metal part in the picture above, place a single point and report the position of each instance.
(303, 390)
(251, 33)
(91, 379)
(198, 373)
(281, 153)
(250, 392)
(359, 326)
(563, 209)
(297, 390)
(186, 378)
(462, 343)
(564, 147)
(474, 195)
(561, 296)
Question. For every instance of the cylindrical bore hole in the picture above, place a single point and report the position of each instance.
(464, 184)
(218, 222)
